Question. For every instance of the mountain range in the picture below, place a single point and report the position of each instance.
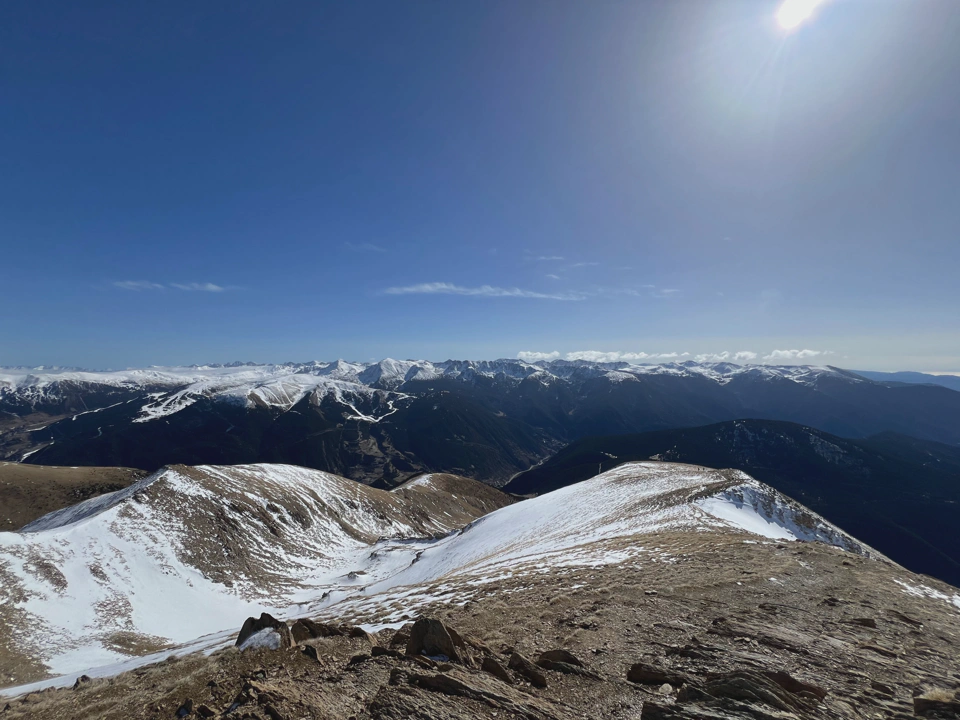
(388, 421)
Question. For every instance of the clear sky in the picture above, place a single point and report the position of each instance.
(190, 182)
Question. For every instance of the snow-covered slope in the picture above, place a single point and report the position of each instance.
(172, 389)
(191, 551)
(187, 550)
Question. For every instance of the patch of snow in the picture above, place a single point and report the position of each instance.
(268, 639)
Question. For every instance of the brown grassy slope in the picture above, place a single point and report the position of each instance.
(28, 492)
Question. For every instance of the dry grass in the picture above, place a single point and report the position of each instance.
(939, 695)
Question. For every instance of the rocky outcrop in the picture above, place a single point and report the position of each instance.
(432, 638)
(253, 626)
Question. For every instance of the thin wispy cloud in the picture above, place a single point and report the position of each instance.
(664, 292)
(443, 288)
(741, 357)
(582, 264)
(142, 285)
(608, 357)
(550, 258)
(201, 287)
(137, 285)
(553, 277)
(364, 247)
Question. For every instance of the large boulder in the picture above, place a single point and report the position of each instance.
(254, 626)
(432, 638)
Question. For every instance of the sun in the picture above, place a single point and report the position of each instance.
(793, 13)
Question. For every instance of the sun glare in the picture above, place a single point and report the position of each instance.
(793, 13)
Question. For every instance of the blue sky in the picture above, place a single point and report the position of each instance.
(205, 182)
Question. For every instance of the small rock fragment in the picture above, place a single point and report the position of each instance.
(496, 669)
(562, 656)
(526, 668)
(645, 674)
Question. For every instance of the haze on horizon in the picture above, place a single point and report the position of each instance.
(191, 184)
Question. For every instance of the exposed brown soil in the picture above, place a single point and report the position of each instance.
(28, 492)
(723, 629)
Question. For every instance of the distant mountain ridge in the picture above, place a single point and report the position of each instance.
(912, 378)
(387, 421)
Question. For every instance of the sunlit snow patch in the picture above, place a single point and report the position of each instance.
(761, 510)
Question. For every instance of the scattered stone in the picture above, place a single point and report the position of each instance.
(797, 687)
(937, 704)
(666, 689)
(432, 638)
(882, 688)
(496, 669)
(377, 651)
(185, 709)
(649, 592)
(357, 659)
(254, 625)
(306, 629)
(528, 670)
(402, 635)
(311, 652)
(205, 711)
(273, 713)
(359, 632)
(559, 656)
(905, 618)
(863, 622)
(82, 680)
(886, 652)
(645, 674)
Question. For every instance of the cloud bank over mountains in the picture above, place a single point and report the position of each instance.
(742, 357)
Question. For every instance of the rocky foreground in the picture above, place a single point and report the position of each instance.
(723, 627)
(654, 590)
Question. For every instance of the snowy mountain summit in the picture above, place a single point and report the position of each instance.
(283, 386)
(385, 422)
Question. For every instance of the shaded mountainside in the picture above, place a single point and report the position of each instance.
(392, 420)
(653, 591)
(28, 492)
(899, 494)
